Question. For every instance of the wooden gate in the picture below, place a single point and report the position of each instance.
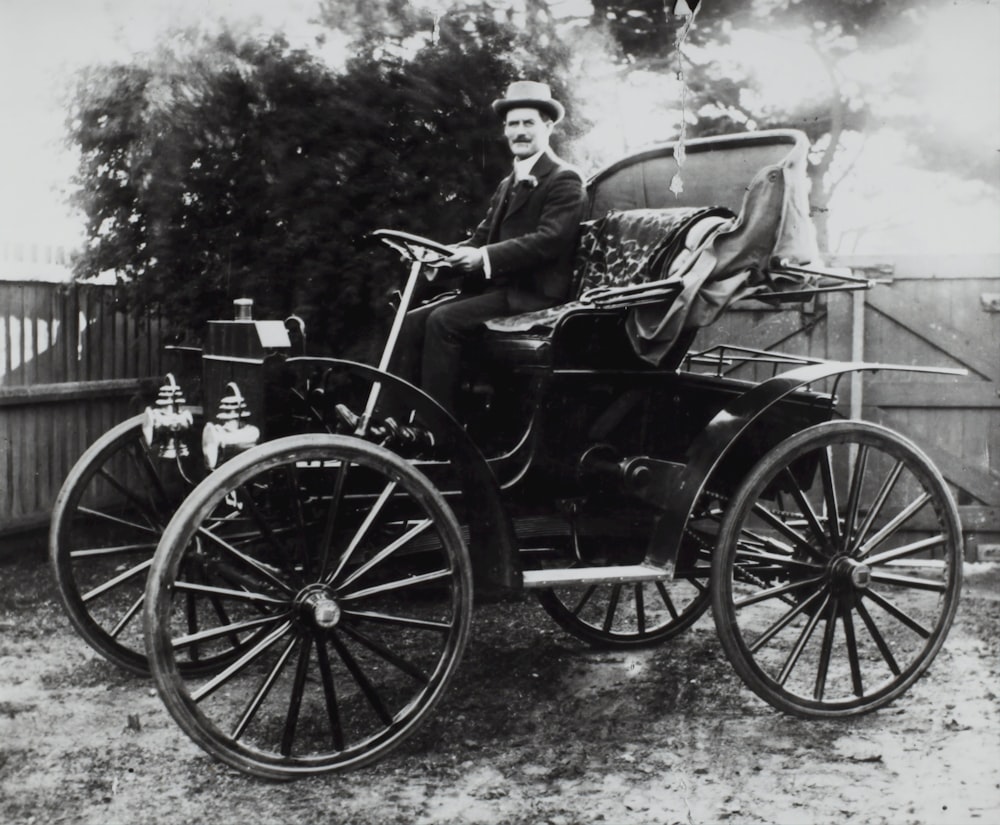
(925, 311)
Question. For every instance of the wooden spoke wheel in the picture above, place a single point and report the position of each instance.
(635, 614)
(351, 606)
(105, 526)
(838, 570)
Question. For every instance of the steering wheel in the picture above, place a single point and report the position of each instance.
(414, 247)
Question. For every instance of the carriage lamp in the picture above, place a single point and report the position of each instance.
(229, 433)
(164, 422)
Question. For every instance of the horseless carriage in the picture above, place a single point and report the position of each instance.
(302, 592)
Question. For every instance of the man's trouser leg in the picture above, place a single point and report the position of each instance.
(448, 330)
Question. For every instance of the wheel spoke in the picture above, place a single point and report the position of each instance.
(392, 658)
(153, 519)
(801, 642)
(830, 496)
(330, 695)
(892, 525)
(787, 530)
(826, 650)
(854, 494)
(913, 582)
(906, 550)
(142, 567)
(876, 508)
(584, 599)
(228, 629)
(640, 609)
(609, 616)
(783, 622)
(134, 525)
(878, 638)
(269, 535)
(367, 688)
(807, 510)
(361, 532)
(266, 572)
(301, 539)
(326, 543)
(127, 617)
(778, 562)
(399, 584)
(295, 699)
(779, 590)
(385, 552)
(852, 653)
(143, 547)
(900, 614)
(146, 468)
(400, 621)
(667, 601)
(250, 711)
(239, 595)
(253, 653)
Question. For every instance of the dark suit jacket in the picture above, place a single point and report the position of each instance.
(531, 243)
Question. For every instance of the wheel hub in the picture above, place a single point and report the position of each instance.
(317, 605)
(851, 574)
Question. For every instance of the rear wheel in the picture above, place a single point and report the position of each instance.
(106, 522)
(636, 614)
(349, 593)
(838, 570)
(633, 614)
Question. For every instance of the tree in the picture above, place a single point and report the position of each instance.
(722, 93)
(219, 168)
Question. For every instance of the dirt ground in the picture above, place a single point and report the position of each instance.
(535, 729)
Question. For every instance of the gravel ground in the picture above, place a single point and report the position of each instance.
(536, 728)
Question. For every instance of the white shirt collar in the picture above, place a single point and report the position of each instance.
(522, 167)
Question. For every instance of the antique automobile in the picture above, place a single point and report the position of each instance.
(301, 588)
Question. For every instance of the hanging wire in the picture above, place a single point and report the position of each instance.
(681, 8)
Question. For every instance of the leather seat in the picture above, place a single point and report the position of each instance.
(621, 249)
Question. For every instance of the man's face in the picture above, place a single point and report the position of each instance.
(527, 132)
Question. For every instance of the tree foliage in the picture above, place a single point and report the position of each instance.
(240, 168)
(724, 97)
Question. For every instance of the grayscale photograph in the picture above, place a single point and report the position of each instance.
(499, 412)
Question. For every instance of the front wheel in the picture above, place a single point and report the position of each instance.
(838, 570)
(340, 575)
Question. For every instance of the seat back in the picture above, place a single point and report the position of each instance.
(716, 171)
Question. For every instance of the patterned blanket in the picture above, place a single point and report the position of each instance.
(631, 247)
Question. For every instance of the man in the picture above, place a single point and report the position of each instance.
(520, 257)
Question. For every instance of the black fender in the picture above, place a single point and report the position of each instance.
(495, 559)
(725, 429)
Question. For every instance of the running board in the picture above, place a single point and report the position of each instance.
(607, 574)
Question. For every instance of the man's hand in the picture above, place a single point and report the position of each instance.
(465, 259)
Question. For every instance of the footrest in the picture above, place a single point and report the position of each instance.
(607, 574)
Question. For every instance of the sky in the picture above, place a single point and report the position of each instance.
(885, 205)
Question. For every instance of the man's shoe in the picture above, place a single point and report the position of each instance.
(352, 421)
(409, 435)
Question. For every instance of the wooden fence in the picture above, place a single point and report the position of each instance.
(72, 365)
(926, 311)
